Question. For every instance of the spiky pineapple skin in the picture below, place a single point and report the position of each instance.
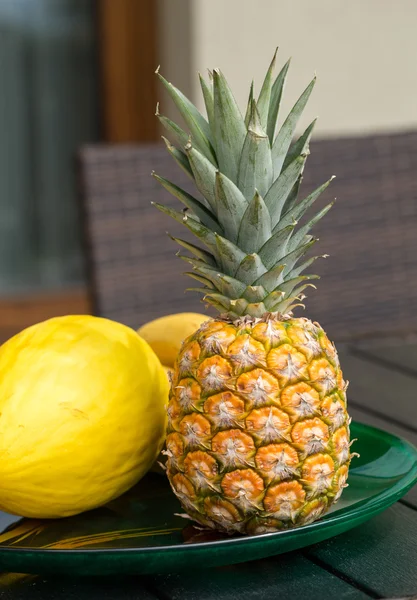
(258, 430)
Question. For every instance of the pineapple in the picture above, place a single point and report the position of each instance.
(258, 431)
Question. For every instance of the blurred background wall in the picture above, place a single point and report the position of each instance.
(364, 53)
(80, 71)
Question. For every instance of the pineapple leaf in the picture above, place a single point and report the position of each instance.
(182, 217)
(249, 107)
(231, 287)
(255, 165)
(231, 205)
(250, 269)
(179, 157)
(271, 279)
(195, 262)
(275, 247)
(304, 265)
(297, 211)
(207, 237)
(203, 213)
(229, 129)
(273, 300)
(201, 290)
(178, 134)
(200, 279)
(228, 286)
(252, 252)
(288, 286)
(204, 175)
(174, 214)
(294, 300)
(239, 306)
(301, 146)
(205, 272)
(197, 124)
(218, 300)
(292, 196)
(281, 188)
(300, 234)
(255, 228)
(220, 309)
(265, 93)
(283, 140)
(190, 214)
(275, 101)
(207, 90)
(230, 255)
(198, 252)
(255, 309)
(203, 233)
(293, 257)
(255, 293)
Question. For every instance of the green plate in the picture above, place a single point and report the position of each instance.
(140, 532)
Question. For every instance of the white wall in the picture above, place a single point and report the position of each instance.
(364, 53)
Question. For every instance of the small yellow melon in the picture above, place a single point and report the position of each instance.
(82, 415)
(166, 334)
(168, 370)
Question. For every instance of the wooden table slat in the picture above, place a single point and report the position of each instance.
(62, 588)
(381, 555)
(285, 576)
(389, 393)
(402, 355)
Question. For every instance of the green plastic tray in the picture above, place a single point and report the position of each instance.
(140, 533)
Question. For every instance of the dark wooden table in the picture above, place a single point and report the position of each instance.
(375, 560)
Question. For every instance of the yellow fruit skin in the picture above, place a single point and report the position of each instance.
(82, 415)
(168, 370)
(166, 334)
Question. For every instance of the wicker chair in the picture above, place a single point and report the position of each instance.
(368, 286)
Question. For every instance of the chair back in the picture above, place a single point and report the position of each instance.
(369, 282)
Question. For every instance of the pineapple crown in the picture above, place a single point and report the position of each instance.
(249, 250)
